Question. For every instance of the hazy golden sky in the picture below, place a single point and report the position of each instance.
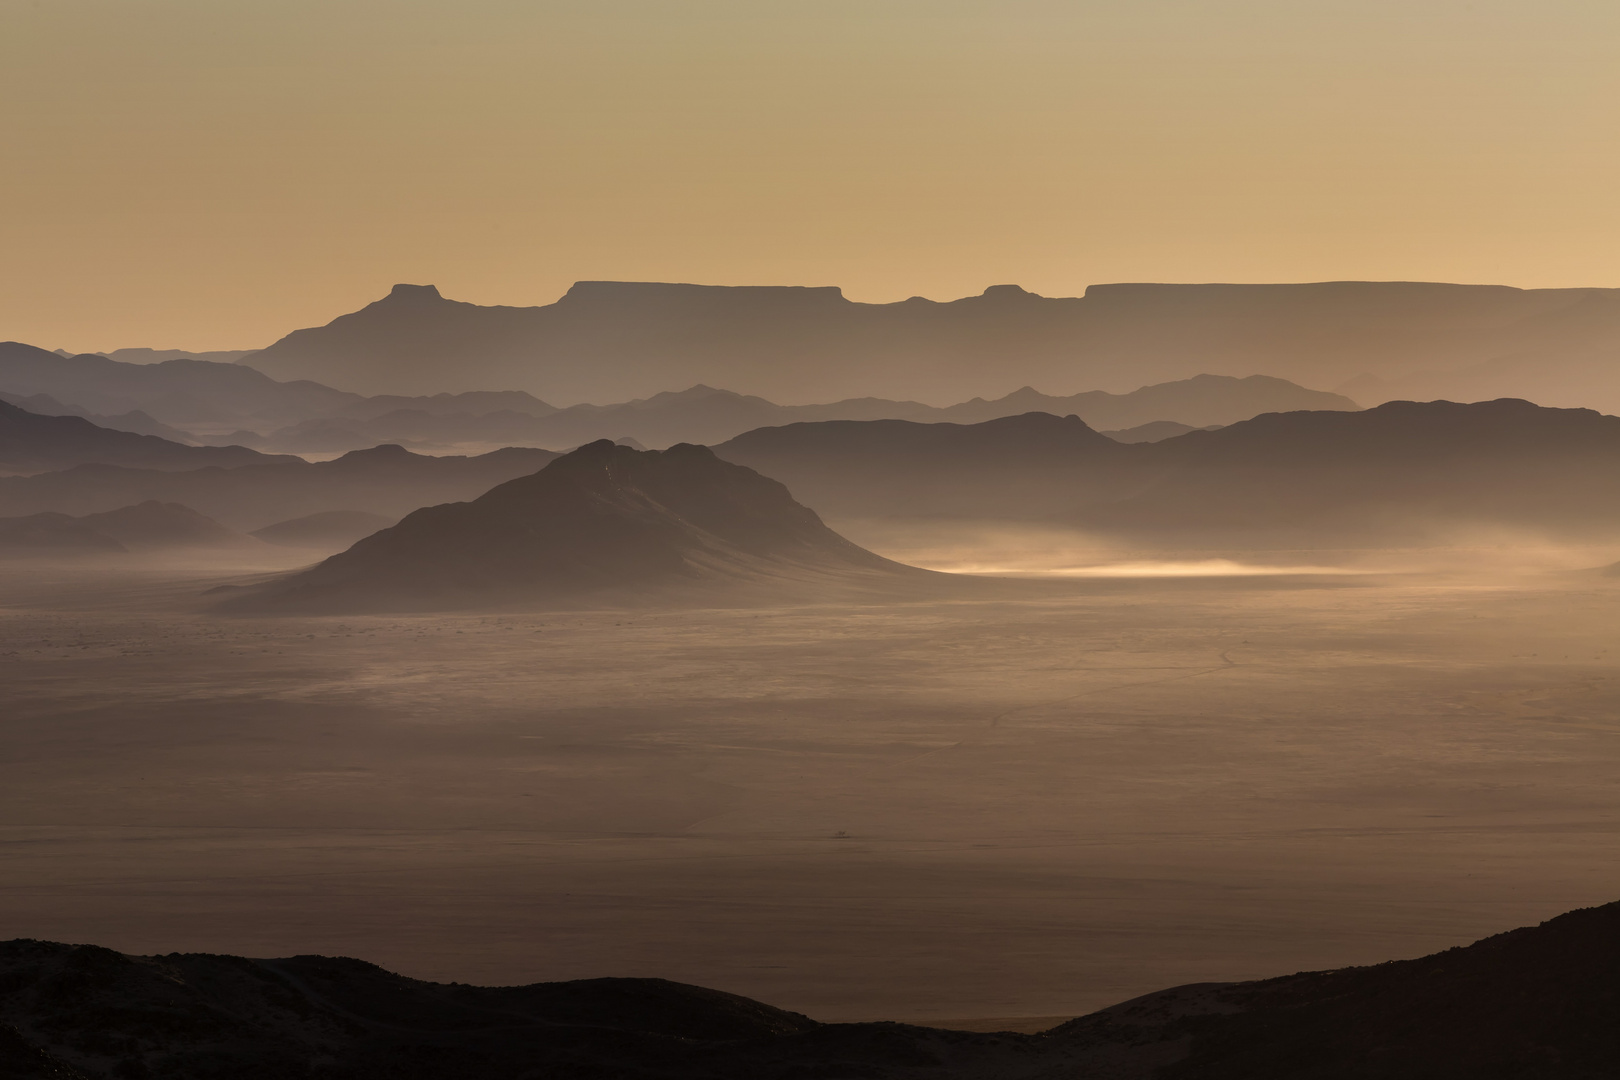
(212, 173)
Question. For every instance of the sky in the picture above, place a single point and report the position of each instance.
(210, 174)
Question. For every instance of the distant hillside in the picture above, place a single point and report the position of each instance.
(148, 526)
(705, 415)
(1157, 431)
(332, 530)
(136, 421)
(603, 519)
(385, 480)
(1403, 467)
(1537, 1002)
(30, 443)
(188, 394)
(606, 341)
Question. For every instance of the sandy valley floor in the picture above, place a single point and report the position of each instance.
(935, 810)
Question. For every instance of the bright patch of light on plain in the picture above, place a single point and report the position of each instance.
(1196, 568)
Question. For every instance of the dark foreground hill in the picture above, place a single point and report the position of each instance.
(1533, 1004)
(148, 526)
(31, 443)
(1403, 470)
(605, 519)
(386, 480)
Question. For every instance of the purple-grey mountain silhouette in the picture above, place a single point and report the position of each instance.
(135, 420)
(31, 443)
(1537, 1002)
(148, 526)
(182, 393)
(231, 405)
(1156, 431)
(385, 480)
(1401, 466)
(330, 529)
(705, 415)
(607, 341)
(603, 520)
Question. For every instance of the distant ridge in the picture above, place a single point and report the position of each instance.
(1401, 469)
(31, 443)
(219, 404)
(606, 341)
(704, 414)
(605, 520)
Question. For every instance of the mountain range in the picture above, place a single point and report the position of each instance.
(1401, 469)
(198, 401)
(607, 340)
(603, 521)
(1537, 1002)
(705, 415)
(31, 443)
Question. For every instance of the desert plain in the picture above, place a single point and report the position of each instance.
(1027, 802)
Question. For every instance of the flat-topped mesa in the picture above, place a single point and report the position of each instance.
(413, 293)
(605, 519)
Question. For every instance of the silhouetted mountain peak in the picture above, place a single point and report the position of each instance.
(384, 452)
(604, 517)
(1009, 293)
(413, 294)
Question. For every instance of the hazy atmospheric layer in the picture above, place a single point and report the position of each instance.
(1002, 807)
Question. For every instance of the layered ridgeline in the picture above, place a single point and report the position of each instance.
(148, 526)
(213, 403)
(703, 414)
(606, 341)
(1401, 470)
(605, 521)
(1536, 1002)
(31, 443)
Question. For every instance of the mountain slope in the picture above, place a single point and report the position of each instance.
(30, 443)
(1534, 1002)
(1400, 469)
(618, 340)
(136, 421)
(190, 394)
(603, 519)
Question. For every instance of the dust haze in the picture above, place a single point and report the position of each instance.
(1127, 769)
